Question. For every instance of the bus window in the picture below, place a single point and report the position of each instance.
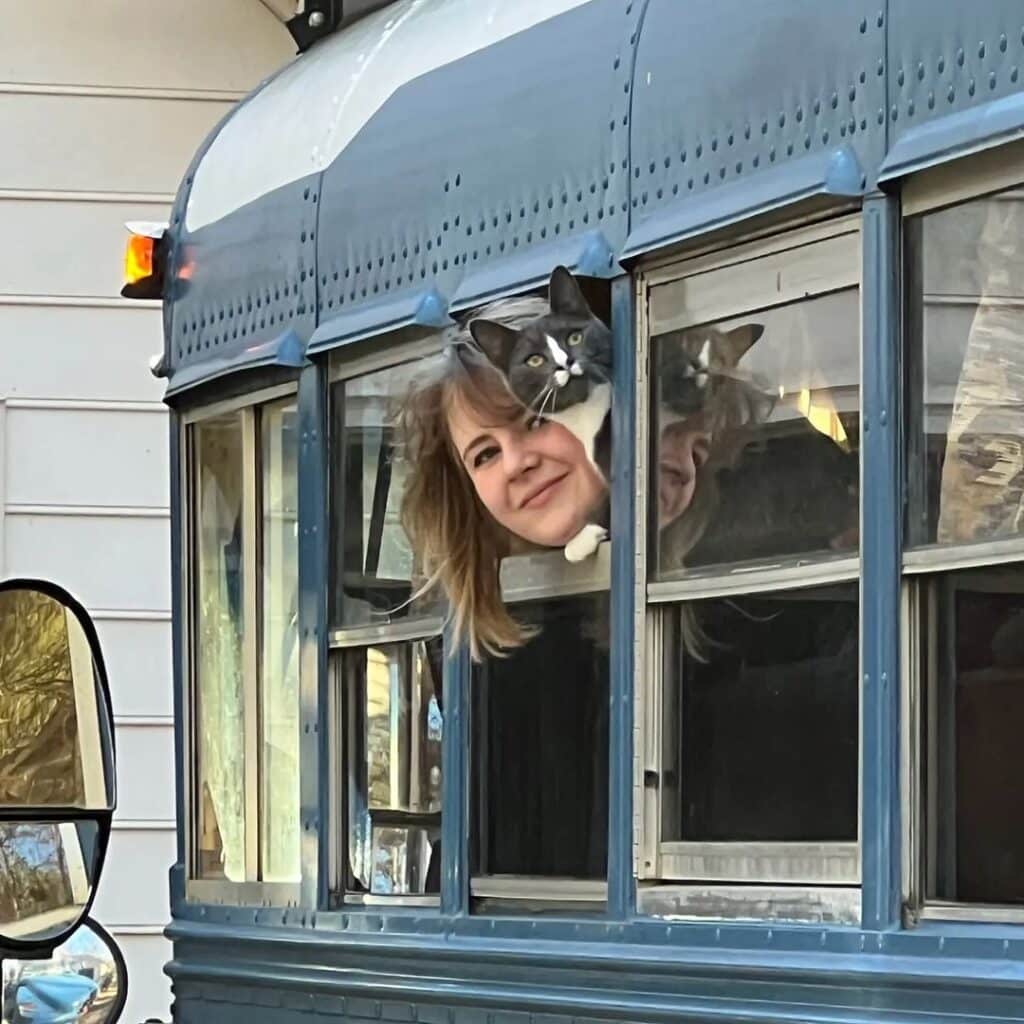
(964, 545)
(387, 660)
(540, 759)
(245, 644)
(753, 498)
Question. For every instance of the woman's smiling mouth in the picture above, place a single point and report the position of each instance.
(540, 495)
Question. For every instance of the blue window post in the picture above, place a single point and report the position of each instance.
(881, 552)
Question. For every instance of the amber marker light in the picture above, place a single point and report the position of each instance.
(138, 259)
(143, 270)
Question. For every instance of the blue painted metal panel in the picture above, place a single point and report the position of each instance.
(455, 771)
(881, 562)
(954, 82)
(467, 168)
(621, 873)
(741, 107)
(314, 759)
(242, 285)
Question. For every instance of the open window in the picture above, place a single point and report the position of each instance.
(964, 540)
(539, 823)
(748, 681)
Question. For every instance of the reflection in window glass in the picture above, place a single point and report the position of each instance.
(279, 712)
(540, 747)
(217, 647)
(973, 647)
(756, 435)
(762, 736)
(393, 706)
(374, 568)
(965, 278)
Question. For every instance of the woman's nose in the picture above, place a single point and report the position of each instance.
(519, 456)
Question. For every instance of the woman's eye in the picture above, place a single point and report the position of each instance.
(535, 361)
(484, 456)
(575, 338)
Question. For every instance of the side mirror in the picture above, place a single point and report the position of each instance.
(85, 980)
(57, 786)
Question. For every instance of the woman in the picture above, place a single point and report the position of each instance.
(485, 481)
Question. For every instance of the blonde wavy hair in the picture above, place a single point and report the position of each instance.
(457, 543)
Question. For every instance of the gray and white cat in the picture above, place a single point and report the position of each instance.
(559, 366)
(692, 363)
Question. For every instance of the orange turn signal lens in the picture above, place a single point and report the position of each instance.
(138, 258)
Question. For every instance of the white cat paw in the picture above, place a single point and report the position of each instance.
(585, 543)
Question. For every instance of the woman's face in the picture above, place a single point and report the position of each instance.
(537, 482)
(682, 450)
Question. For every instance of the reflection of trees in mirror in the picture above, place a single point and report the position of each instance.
(40, 762)
(46, 875)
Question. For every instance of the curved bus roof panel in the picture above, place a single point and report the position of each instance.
(408, 156)
(440, 153)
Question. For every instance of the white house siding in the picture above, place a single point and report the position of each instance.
(102, 105)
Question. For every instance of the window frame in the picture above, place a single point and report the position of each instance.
(253, 890)
(774, 885)
(404, 347)
(993, 171)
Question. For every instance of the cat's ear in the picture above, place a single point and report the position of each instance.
(738, 340)
(565, 297)
(496, 341)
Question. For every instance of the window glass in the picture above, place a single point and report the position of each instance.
(374, 572)
(965, 278)
(756, 436)
(279, 696)
(972, 633)
(217, 647)
(394, 723)
(540, 746)
(761, 718)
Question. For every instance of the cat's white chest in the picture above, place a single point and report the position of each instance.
(585, 418)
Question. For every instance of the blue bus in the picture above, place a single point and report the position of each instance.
(760, 758)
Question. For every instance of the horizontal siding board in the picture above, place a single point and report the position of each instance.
(80, 354)
(133, 889)
(149, 989)
(145, 772)
(188, 44)
(106, 562)
(65, 247)
(138, 659)
(87, 457)
(99, 142)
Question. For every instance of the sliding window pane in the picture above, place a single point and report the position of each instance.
(756, 427)
(965, 273)
(972, 633)
(394, 727)
(279, 695)
(217, 647)
(375, 575)
(761, 718)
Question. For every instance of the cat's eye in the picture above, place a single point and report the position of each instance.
(535, 360)
(576, 338)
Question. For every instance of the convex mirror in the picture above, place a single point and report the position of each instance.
(56, 763)
(85, 980)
